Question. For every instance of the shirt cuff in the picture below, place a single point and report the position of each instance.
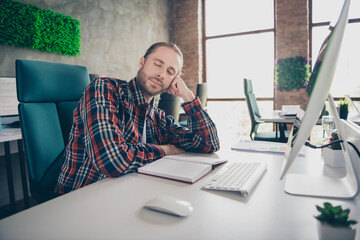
(193, 106)
(158, 151)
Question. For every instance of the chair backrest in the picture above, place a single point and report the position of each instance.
(252, 105)
(201, 91)
(48, 94)
(170, 104)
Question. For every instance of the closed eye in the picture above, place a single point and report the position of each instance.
(171, 72)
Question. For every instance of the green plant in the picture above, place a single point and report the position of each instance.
(313, 77)
(344, 104)
(334, 215)
(335, 137)
(28, 26)
(292, 73)
(344, 108)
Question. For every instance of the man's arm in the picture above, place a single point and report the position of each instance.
(202, 134)
(104, 140)
(179, 88)
(170, 149)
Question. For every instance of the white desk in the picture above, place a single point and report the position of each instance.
(355, 119)
(6, 136)
(276, 117)
(279, 121)
(112, 209)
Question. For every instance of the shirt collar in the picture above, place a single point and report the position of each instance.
(139, 98)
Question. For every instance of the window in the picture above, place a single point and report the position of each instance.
(230, 60)
(239, 43)
(239, 40)
(346, 79)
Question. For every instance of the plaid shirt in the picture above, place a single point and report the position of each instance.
(105, 140)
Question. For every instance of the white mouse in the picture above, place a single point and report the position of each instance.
(170, 205)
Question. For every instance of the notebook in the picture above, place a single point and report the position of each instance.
(185, 167)
(289, 111)
(263, 147)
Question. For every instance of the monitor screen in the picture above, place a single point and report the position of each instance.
(318, 89)
(8, 100)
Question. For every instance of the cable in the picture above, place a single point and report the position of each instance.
(308, 144)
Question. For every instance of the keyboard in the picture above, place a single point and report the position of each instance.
(237, 177)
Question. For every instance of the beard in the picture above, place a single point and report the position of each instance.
(144, 83)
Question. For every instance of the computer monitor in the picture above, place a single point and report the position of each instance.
(320, 83)
(8, 100)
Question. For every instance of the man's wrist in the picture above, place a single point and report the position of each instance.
(188, 97)
(170, 149)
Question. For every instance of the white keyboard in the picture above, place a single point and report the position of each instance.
(237, 176)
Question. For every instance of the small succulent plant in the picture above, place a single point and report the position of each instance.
(334, 215)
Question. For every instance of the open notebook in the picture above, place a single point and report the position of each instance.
(264, 147)
(185, 167)
(289, 111)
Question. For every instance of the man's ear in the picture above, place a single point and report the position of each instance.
(141, 62)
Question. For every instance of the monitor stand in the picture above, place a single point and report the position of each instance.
(327, 187)
(321, 186)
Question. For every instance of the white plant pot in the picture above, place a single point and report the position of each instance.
(328, 232)
(333, 158)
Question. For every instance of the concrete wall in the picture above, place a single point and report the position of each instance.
(114, 34)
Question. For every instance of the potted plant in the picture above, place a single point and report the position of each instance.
(344, 108)
(292, 73)
(291, 76)
(333, 223)
(333, 155)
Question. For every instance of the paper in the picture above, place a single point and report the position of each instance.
(186, 167)
(262, 146)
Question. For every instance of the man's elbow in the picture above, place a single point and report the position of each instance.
(212, 147)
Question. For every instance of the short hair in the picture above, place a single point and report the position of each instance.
(171, 45)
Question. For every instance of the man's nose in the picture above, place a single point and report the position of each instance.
(161, 74)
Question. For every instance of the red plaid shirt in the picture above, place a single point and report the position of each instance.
(105, 140)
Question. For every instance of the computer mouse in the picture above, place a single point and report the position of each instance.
(170, 205)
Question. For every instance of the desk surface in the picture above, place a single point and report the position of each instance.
(355, 119)
(10, 134)
(112, 209)
(276, 117)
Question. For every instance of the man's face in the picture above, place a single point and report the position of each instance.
(158, 71)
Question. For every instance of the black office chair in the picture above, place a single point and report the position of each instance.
(170, 104)
(274, 136)
(48, 94)
(201, 92)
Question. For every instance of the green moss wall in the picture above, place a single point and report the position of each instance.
(114, 34)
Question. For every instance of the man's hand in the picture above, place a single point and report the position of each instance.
(179, 88)
(171, 149)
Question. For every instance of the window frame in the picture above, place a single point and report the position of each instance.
(322, 24)
(205, 38)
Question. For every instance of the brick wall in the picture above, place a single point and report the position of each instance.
(188, 36)
(292, 34)
(291, 23)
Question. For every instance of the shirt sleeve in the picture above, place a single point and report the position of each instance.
(201, 134)
(104, 142)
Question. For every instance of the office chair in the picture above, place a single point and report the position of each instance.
(201, 92)
(255, 116)
(48, 94)
(170, 104)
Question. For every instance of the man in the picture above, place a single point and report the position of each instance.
(117, 129)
